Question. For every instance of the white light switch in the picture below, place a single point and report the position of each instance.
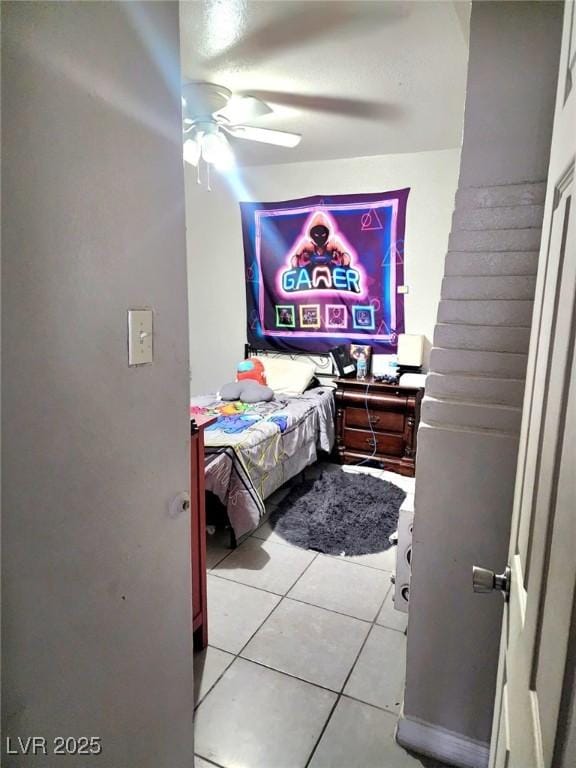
(140, 331)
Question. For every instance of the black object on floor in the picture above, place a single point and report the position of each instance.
(340, 513)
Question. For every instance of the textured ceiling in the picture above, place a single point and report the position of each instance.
(354, 78)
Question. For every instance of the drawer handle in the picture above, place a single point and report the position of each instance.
(371, 442)
(373, 419)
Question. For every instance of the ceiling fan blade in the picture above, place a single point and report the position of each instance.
(332, 105)
(264, 135)
(241, 108)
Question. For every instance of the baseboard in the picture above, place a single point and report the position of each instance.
(437, 742)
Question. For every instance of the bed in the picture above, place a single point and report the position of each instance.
(252, 450)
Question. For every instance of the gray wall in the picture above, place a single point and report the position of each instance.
(96, 574)
(464, 494)
(509, 97)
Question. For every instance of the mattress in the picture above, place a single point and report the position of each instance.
(251, 450)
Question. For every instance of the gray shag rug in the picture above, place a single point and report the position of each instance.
(340, 513)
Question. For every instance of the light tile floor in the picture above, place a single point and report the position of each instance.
(305, 666)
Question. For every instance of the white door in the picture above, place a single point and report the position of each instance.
(540, 616)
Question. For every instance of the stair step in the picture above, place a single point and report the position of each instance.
(495, 240)
(517, 312)
(507, 217)
(491, 338)
(505, 418)
(503, 195)
(476, 388)
(480, 263)
(488, 287)
(493, 364)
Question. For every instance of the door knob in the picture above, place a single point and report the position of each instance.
(484, 580)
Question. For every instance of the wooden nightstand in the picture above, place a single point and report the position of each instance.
(380, 419)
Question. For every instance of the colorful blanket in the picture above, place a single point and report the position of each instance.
(251, 450)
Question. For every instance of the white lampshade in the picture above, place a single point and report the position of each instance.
(410, 349)
(217, 151)
(191, 151)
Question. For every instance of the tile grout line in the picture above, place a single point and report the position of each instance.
(206, 760)
(372, 625)
(282, 598)
(339, 693)
(348, 676)
(258, 628)
(250, 586)
(288, 674)
(269, 591)
(237, 654)
(369, 704)
(296, 677)
(314, 605)
(339, 558)
(322, 731)
(342, 559)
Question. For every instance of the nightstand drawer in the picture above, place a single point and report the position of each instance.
(363, 440)
(357, 398)
(385, 421)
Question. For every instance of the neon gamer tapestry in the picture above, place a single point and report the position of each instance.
(323, 271)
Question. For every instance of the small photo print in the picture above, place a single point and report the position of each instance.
(361, 350)
(363, 318)
(336, 316)
(310, 315)
(285, 316)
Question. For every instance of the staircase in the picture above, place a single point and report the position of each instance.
(479, 354)
(466, 464)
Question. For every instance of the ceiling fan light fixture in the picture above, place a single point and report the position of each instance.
(217, 151)
(240, 108)
(191, 152)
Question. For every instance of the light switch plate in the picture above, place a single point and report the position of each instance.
(140, 333)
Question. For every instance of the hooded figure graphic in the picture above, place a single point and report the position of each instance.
(320, 248)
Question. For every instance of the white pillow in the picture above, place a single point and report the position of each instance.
(288, 376)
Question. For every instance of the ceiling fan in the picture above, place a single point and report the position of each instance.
(212, 112)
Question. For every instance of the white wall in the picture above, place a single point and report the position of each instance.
(215, 256)
(95, 573)
(510, 39)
